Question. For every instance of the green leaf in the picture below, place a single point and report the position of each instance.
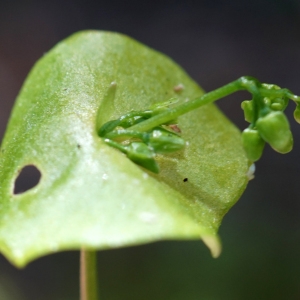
(91, 195)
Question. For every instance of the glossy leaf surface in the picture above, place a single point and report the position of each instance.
(91, 195)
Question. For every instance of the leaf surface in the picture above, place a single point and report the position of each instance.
(91, 195)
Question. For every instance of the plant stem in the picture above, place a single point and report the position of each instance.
(183, 108)
(88, 275)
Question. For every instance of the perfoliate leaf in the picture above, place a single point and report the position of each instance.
(91, 195)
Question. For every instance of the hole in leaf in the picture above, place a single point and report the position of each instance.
(28, 178)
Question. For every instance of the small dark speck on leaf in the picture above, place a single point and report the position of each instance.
(78, 146)
(185, 179)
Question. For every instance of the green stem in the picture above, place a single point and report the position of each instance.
(127, 133)
(88, 275)
(188, 106)
(115, 145)
(264, 113)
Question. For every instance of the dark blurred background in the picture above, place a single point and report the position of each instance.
(216, 42)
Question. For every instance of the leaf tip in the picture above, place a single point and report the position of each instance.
(214, 244)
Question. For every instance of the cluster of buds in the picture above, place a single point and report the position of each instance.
(268, 123)
(143, 134)
(142, 147)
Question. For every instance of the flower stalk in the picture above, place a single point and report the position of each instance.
(88, 275)
(264, 112)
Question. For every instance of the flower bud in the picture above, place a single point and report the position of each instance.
(253, 144)
(274, 128)
(279, 104)
(297, 113)
(108, 127)
(163, 141)
(274, 102)
(141, 154)
(247, 106)
(130, 121)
